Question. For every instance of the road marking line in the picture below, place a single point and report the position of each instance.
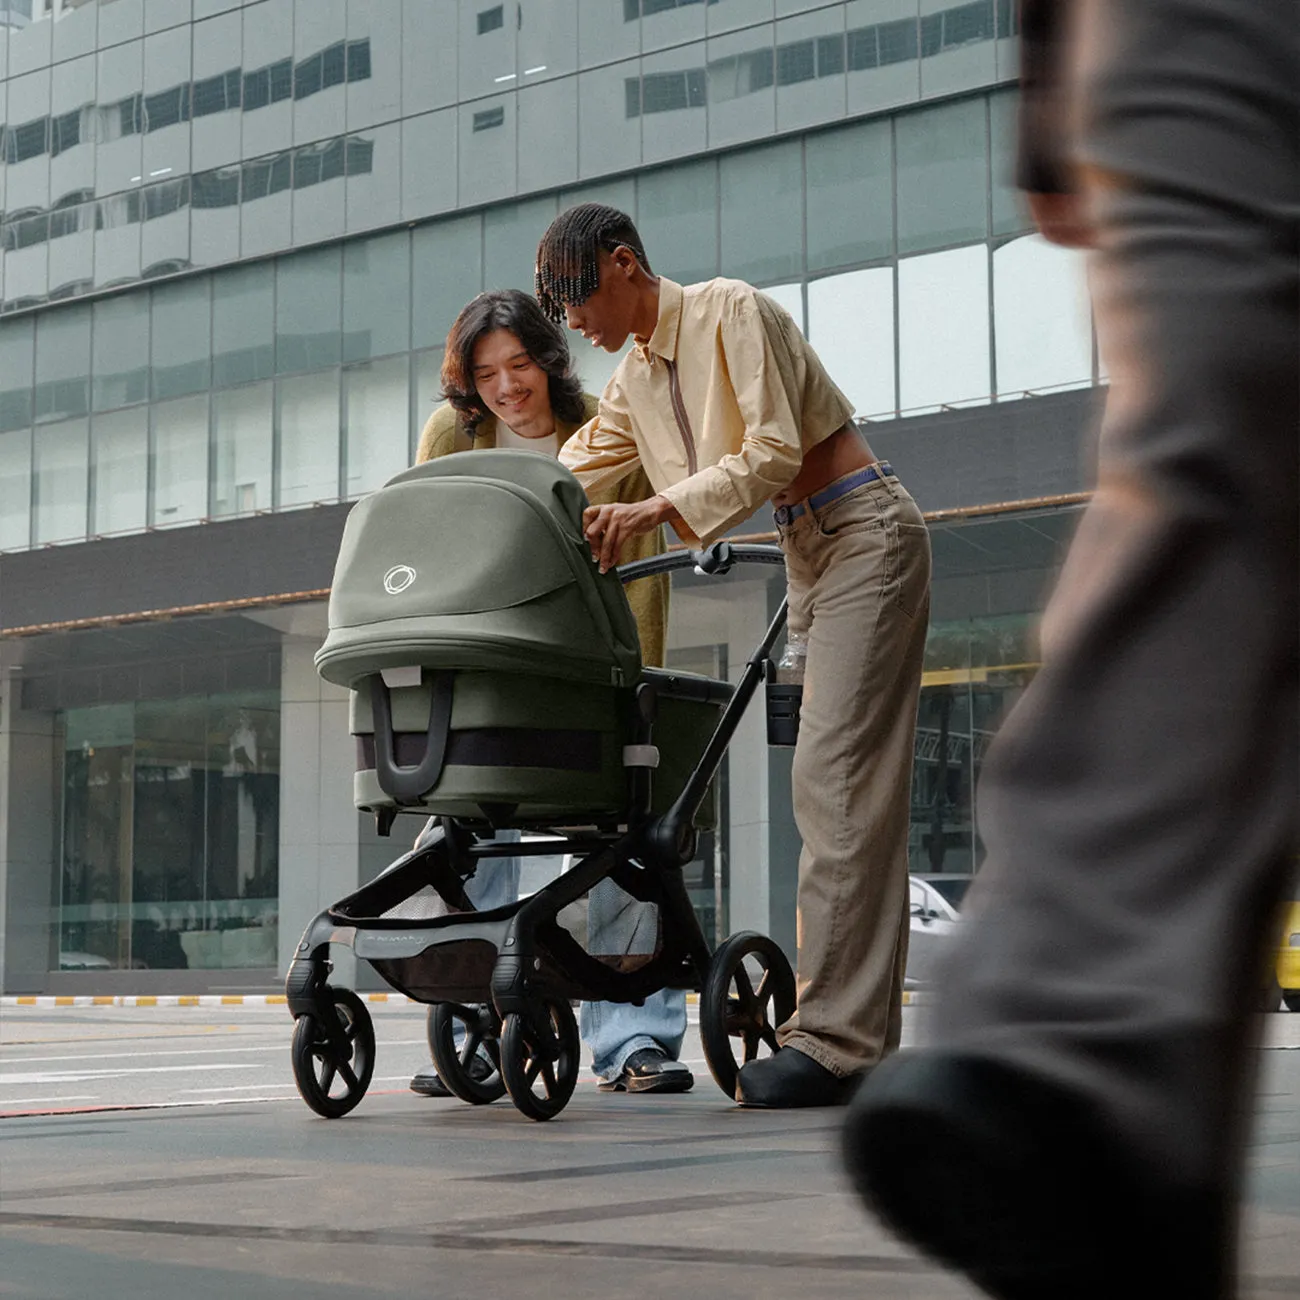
(35, 1101)
(185, 1051)
(83, 1076)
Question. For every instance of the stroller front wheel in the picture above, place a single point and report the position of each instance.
(333, 1071)
(539, 1086)
(749, 991)
(462, 1069)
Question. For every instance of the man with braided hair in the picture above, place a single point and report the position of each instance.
(724, 406)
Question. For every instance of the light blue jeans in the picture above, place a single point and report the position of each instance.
(613, 1030)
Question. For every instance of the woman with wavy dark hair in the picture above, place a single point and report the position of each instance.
(509, 383)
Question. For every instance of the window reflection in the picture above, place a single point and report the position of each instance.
(243, 328)
(376, 291)
(307, 420)
(173, 804)
(943, 328)
(677, 215)
(63, 363)
(119, 468)
(242, 444)
(378, 418)
(942, 176)
(17, 354)
(15, 488)
(850, 195)
(181, 350)
(179, 454)
(1040, 315)
(851, 325)
(308, 305)
(768, 181)
(59, 482)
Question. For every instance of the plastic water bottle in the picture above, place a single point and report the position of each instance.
(789, 669)
(785, 691)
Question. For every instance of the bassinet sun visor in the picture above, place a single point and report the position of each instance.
(476, 562)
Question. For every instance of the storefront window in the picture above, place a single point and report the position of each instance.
(171, 825)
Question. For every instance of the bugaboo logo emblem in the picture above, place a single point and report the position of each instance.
(398, 578)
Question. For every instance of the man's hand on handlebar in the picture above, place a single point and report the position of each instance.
(608, 528)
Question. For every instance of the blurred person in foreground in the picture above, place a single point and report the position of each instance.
(1077, 1125)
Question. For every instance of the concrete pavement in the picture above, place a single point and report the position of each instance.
(618, 1196)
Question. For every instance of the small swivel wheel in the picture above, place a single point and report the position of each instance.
(749, 991)
(471, 1071)
(333, 1071)
(541, 1077)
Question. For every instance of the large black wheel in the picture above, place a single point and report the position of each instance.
(748, 993)
(332, 1081)
(1291, 999)
(471, 1072)
(539, 1087)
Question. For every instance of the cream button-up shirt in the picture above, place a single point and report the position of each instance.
(718, 406)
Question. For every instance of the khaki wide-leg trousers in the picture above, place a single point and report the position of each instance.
(859, 585)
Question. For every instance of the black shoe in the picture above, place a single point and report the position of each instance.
(1015, 1183)
(650, 1069)
(792, 1078)
(427, 1083)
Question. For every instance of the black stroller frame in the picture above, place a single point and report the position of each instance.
(513, 971)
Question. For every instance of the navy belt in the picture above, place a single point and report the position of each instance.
(840, 488)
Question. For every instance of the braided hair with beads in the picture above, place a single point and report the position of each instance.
(568, 257)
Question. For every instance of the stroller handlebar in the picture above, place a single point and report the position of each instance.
(712, 561)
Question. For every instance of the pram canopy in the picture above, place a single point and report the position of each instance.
(476, 561)
(492, 666)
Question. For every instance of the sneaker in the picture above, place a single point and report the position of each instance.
(427, 1083)
(650, 1069)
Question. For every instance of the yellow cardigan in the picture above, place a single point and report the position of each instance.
(444, 433)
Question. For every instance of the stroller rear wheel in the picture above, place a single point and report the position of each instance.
(332, 1076)
(748, 993)
(540, 1085)
(462, 1069)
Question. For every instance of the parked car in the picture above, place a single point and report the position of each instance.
(933, 922)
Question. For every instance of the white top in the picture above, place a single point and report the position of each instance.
(509, 440)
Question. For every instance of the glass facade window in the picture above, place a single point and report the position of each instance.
(307, 311)
(307, 426)
(63, 364)
(181, 347)
(15, 489)
(17, 358)
(943, 328)
(942, 175)
(377, 411)
(446, 272)
(1041, 320)
(767, 181)
(119, 471)
(243, 326)
(677, 215)
(376, 297)
(60, 470)
(120, 357)
(179, 453)
(851, 325)
(242, 450)
(850, 195)
(170, 817)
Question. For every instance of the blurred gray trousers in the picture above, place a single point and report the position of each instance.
(1139, 806)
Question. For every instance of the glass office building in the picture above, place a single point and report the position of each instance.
(233, 238)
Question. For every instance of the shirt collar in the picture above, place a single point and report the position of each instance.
(663, 342)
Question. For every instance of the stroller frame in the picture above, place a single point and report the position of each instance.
(538, 967)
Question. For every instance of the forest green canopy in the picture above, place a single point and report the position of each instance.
(476, 561)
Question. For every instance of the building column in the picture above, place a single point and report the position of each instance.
(318, 823)
(29, 944)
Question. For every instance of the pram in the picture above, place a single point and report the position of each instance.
(496, 685)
